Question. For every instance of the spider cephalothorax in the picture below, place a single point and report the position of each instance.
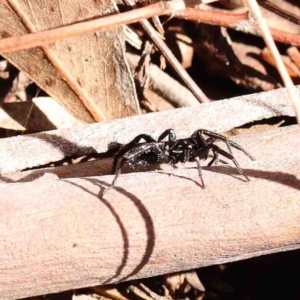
(172, 151)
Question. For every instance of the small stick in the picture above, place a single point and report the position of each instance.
(168, 54)
(52, 35)
(268, 57)
(238, 22)
(279, 11)
(263, 25)
(151, 293)
(294, 55)
(166, 86)
(135, 290)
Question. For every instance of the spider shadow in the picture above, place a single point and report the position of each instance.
(225, 169)
(149, 225)
(70, 149)
(181, 176)
(63, 145)
(280, 177)
(229, 170)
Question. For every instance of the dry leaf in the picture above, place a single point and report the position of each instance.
(88, 75)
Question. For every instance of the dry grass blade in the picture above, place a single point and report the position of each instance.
(280, 11)
(263, 25)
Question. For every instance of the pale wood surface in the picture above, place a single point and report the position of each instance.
(260, 145)
(43, 114)
(60, 234)
(30, 151)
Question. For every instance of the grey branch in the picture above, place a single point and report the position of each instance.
(60, 234)
(21, 152)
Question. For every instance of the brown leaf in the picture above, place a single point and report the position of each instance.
(88, 74)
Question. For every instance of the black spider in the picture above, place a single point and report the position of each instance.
(173, 151)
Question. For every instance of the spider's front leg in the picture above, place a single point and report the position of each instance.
(122, 151)
(213, 137)
(170, 133)
(202, 153)
(117, 173)
(137, 155)
(217, 136)
(216, 150)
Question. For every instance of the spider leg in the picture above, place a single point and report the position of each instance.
(199, 139)
(118, 172)
(125, 148)
(200, 171)
(237, 146)
(201, 154)
(229, 156)
(171, 134)
(128, 160)
(228, 142)
(217, 159)
(216, 136)
(214, 159)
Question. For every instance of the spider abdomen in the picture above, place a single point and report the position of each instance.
(145, 155)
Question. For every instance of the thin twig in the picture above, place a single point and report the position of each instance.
(266, 34)
(238, 22)
(52, 35)
(169, 88)
(151, 293)
(279, 11)
(268, 57)
(168, 54)
(136, 291)
(211, 17)
(294, 55)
